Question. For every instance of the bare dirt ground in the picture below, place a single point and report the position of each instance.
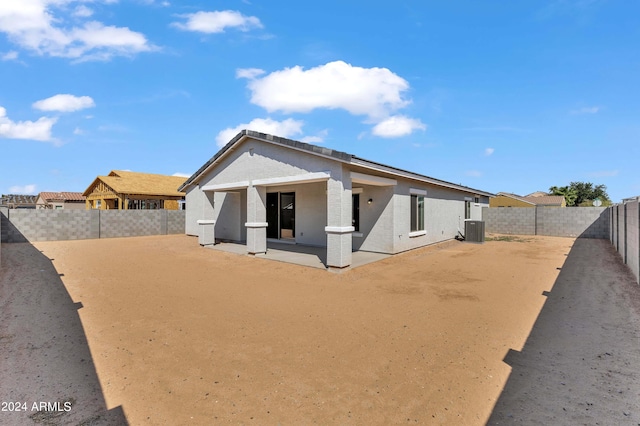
(157, 330)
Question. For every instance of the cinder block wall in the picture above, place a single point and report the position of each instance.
(130, 223)
(633, 238)
(614, 226)
(625, 235)
(2, 231)
(510, 220)
(586, 222)
(55, 225)
(175, 221)
(52, 225)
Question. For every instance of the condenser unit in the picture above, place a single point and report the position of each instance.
(474, 231)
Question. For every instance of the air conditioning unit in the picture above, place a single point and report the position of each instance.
(474, 231)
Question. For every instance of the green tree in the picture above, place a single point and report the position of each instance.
(582, 193)
(568, 193)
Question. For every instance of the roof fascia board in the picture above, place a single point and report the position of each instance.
(410, 175)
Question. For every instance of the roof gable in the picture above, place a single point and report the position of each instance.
(127, 182)
(328, 153)
(539, 200)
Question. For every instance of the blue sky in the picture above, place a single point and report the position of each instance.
(496, 95)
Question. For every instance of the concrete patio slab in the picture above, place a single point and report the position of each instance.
(314, 257)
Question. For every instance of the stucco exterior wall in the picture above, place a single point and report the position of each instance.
(310, 211)
(194, 210)
(376, 219)
(260, 160)
(384, 224)
(229, 211)
(444, 214)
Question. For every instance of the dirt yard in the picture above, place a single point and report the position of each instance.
(157, 330)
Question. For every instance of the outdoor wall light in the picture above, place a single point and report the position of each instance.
(370, 201)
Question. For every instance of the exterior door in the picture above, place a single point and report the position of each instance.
(287, 215)
(273, 230)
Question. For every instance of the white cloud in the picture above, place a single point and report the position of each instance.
(23, 189)
(286, 129)
(373, 92)
(184, 175)
(217, 21)
(78, 131)
(473, 173)
(39, 130)
(488, 151)
(160, 3)
(586, 110)
(396, 126)
(64, 103)
(317, 138)
(249, 73)
(38, 26)
(82, 11)
(10, 56)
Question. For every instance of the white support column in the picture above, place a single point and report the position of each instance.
(339, 228)
(256, 219)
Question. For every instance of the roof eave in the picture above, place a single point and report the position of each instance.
(334, 155)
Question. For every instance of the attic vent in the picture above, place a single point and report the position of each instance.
(474, 231)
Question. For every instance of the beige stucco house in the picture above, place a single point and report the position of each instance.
(538, 199)
(60, 200)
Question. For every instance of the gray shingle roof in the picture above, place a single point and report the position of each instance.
(327, 152)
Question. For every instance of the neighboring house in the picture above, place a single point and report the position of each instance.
(537, 194)
(261, 187)
(60, 200)
(506, 199)
(124, 190)
(18, 201)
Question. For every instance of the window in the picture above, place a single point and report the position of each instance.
(355, 211)
(467, 209)
(417, 212)
(477, 200)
